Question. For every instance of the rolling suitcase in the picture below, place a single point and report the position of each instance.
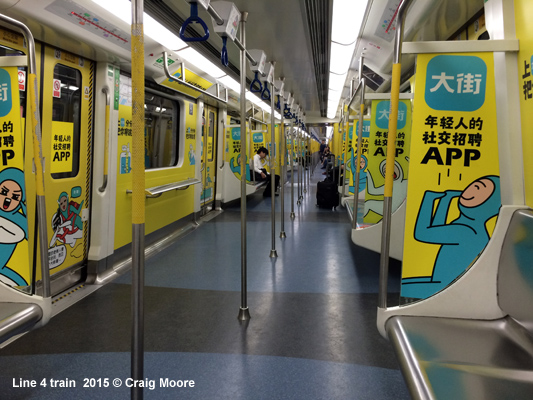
(327, 195)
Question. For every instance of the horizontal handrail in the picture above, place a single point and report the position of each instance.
(185, 83)
(156, 191)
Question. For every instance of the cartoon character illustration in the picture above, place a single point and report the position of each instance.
(461, 240)
(236, 169)
(125, 159)
(66, 222)
(399, 189)
(13, 222)
(192, 160)
(362, 171)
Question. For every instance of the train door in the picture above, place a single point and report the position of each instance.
(209, 134)
(66, 101)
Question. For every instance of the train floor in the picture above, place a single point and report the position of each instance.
(312, 332)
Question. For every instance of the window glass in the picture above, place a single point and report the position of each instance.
(66, 117)
(160, 131)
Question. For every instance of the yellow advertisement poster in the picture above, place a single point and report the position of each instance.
(14, 262)
(233, 156)
(62, 136)
(373, 165)
(524, 32)
(191, 78)
(352, 155)
(453, 195)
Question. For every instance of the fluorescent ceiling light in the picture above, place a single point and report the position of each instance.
(199, 61)
(340, 57)
(231, 83)
(162, 35)
(346, 26)
(334, 96)
(336, 81)
(152, 28)
(347, 20)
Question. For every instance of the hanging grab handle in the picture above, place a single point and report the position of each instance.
(265, 94)
(278, 103)
(224, 52)
(256, 80)
(194, 18)
(287, 112)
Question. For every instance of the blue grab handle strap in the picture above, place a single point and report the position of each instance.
(194, 18)
(287, 112)
(256, 80)
(224, 53)
(265, 94)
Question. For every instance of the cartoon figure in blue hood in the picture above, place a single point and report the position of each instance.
(13, 222)
(352, 164)
(236, 169)
(66, 222)
(461, 240)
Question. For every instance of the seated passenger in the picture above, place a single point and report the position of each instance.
(260, 174)
(325, 157)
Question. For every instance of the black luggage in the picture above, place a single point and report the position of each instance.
(333, 175)
(327, 195)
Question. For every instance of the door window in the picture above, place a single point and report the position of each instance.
(66, 122)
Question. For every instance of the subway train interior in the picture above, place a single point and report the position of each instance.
(207, 199)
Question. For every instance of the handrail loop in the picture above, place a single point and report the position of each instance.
(265, 94)
(194, 18)
(256, 80)
(185, 83)
(105, 90)
(278, 103)
(224, 52)
(34, 117)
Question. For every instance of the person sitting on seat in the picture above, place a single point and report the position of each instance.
(260, 174)
(325, 156)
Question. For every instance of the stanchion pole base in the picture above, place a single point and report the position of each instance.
(273, 253)
(282, 234)
(298, 202)
(244, 314)
(293, 215)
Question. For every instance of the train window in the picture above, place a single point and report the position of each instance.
(66, 114)
(160, 131)
(161, 125)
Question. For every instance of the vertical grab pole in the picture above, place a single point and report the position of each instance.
(291, 159)
(298, 156)
(35, 123)
(308, 163)
(35, 119)
(273, 252)
(358, 160)
(283, 153)
(244, 313)
(138, 196)
(346, 132)
(362, 83)
(391, 150)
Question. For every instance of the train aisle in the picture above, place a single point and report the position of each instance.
(312, 334)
